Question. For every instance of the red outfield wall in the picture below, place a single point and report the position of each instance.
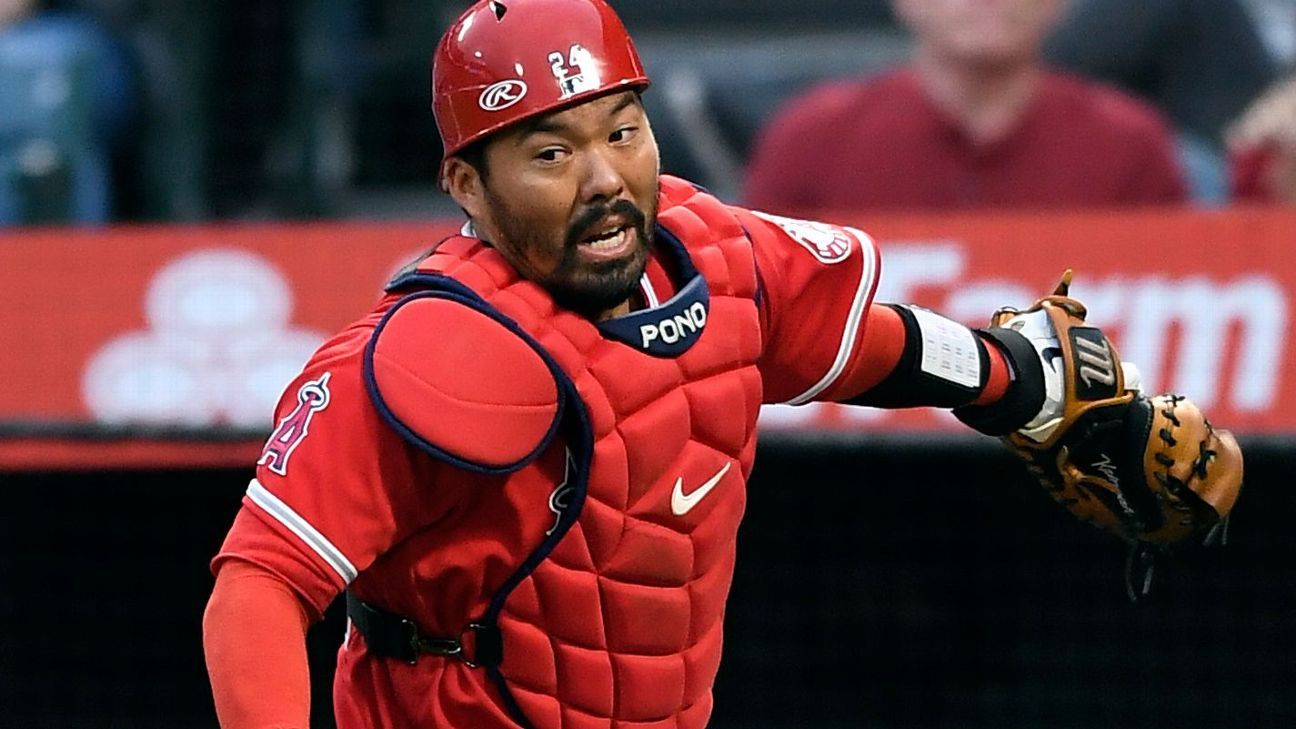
(156, 346)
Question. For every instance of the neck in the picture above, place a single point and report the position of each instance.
(620, 310)
(987, 100)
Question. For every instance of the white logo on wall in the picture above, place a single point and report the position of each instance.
(827, 243)
(218, 350)
(576, 72)
(502, 94)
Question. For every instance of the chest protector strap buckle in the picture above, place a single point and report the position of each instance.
(388, 635)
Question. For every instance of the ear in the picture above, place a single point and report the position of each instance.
(464, 184)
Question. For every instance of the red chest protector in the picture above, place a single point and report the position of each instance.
(614, 607)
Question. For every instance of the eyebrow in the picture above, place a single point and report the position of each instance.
(546, 125)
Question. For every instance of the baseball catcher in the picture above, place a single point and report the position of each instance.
(525, 469)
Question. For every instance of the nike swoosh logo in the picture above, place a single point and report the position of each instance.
(682, 503)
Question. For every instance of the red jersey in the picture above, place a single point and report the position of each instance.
(883, 144)
(623, 621)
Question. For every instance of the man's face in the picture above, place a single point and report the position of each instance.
(570, 199)
(981, 32)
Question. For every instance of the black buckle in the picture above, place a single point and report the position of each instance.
(388, 635)
(488, 645)
(433, 646)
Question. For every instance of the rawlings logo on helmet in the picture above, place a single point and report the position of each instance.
(502, 94)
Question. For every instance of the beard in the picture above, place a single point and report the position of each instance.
(587, 288)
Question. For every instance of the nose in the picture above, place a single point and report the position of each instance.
(601, 179)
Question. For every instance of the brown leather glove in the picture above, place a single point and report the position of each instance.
(1151, 470)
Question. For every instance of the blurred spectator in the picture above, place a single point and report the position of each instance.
(68, 92)
(974, 121)
(1199, 61)
(1263, 145)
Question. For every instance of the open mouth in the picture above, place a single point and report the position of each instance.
(608, 240)
(605, 233)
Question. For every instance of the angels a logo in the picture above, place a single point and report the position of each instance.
(827, 243)
(312, 397)
(502, 94)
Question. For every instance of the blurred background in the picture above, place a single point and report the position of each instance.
(193, 194)
(144, 110)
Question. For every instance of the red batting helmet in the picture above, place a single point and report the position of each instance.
(507, 60)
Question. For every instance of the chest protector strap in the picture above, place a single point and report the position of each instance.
(392, 636)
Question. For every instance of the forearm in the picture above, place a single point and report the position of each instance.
(254, 636)
(896, 371)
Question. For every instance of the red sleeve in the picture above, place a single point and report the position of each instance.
(335, 487)
(254, 638)
(817, 284)
(824, 337)
(1253, 174)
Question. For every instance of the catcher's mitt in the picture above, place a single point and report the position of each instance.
(1152, 470)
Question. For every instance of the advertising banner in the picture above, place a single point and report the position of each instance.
(117, 339)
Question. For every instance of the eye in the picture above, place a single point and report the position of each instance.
(624, 134)
(550, 155)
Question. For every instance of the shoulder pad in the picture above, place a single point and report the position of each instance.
(461, 384)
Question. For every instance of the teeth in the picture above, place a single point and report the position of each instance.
(614, 238)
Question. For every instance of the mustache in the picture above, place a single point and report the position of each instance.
(592, 215)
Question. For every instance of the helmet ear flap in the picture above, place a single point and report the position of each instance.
(504, 61)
